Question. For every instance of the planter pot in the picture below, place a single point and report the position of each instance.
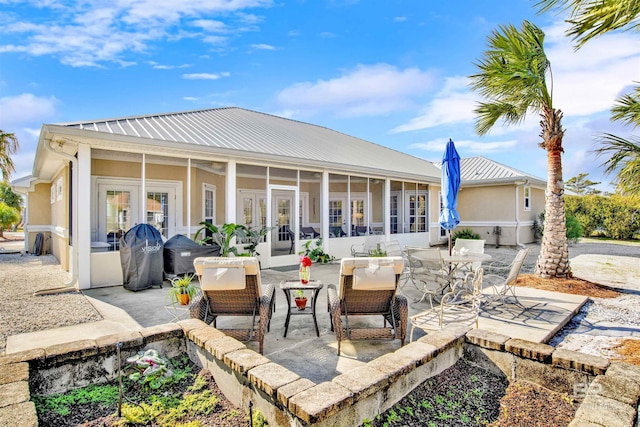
(301, 303)
(183, 299)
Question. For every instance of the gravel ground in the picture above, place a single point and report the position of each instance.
(21, 311)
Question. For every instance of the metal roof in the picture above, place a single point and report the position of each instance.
(247, 131)
(482, 170)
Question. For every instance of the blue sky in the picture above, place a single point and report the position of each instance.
(392, 72)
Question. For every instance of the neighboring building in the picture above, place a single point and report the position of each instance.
(93, 180)
(498, 202)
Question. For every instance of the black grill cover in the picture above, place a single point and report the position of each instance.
(180, 251)
(141, 258)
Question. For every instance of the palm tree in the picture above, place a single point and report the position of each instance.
(515, 79)
(8, 145)
(590, 19)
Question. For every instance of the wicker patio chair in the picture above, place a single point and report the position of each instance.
(500, 286)
(231, 287)
(460, 306)
(368, 287)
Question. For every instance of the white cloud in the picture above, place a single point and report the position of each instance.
(205, 76)
(472, 147)
(25, 109)
(365, 91)
(399, 19)
(584, 82)
(157, 66)
(263, 46)
(86, 34)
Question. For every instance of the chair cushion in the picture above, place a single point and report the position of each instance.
(222, 278)
(347, 265)
(374, 278)
(250, 264)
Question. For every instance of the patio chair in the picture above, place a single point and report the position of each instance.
(364, 249)
(392, 248)
(427, 272)
(460, 306)
(336, 231)
(368, 287)
(308, 233)
(470, 245)
(231, 287)
(501, 286)
(292, 238)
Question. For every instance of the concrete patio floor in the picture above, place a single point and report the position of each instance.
(541, 315)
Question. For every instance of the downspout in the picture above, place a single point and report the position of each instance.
(518, 185)
(74, 207)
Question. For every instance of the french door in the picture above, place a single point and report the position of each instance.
(283, 215)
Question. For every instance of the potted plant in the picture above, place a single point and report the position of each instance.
(301, 300)
(182, 290)
(254, 237)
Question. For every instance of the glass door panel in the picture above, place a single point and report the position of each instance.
(283, 239)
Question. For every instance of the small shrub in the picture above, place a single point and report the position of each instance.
(466, 233)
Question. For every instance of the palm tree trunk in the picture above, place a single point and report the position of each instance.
(553, 260)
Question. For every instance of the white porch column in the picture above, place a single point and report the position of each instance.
(142, 216)
(189, 197)
(324, 210)
(387, 208)
(82, 216)
(230, 193)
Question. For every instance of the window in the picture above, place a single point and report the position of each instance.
(443, 232)
(118, 216)
(527, 198)
(158, 211)
(209, 203)
(118, 207)
(393, 208)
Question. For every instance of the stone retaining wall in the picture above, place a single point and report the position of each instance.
(611, 391)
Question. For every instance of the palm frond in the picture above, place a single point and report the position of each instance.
(512, 76)
(589, 18)
(627, 108)
(621, 151)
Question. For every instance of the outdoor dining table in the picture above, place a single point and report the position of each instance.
(455, 260)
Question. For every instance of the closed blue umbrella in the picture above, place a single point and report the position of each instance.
(450, 183)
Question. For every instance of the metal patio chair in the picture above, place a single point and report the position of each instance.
(500, 286)
(460, 306)
(427, 272)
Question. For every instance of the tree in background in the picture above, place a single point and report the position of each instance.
(8, 217)
(513, 80)
(582, 186)
(9, 197)
(590, 19)
(8, 146)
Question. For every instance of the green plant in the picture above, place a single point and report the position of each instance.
(151, 369)
(223, 236)
(377, 253)
(254, 237)
(182, 286)
(316, 253)
(538, 226)
(466, 233)
(102, 394)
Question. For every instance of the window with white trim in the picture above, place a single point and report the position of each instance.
(527, 198)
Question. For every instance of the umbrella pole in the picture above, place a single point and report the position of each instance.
(449, 242)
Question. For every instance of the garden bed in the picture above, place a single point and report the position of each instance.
(192, 397)
(467, 395)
